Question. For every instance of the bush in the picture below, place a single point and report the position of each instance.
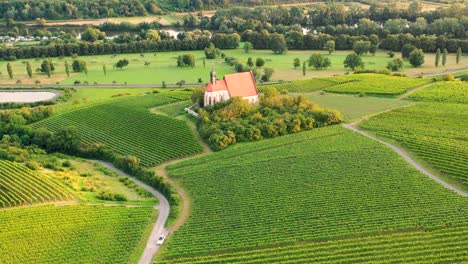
(32, 165)
(66, 164)
(448, 77)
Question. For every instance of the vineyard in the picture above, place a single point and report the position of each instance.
(447, 245)
(319, 185)
(128, 128)
(436, 132)
(284, 86)
(22, 186)
(450, 92)
(375, 84)
(314, 84)
(71, 234)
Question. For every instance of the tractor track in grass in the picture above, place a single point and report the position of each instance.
(405, 156)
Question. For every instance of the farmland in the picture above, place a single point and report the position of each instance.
(22, 186)
(403, 247)
(376, 84)
(353, 106)
(366, 190)
(450, 92)
(72, 234)
(128, 128)
(435, 132)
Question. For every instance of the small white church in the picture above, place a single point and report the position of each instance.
(237, 84)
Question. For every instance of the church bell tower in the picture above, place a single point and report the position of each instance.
(213, 75)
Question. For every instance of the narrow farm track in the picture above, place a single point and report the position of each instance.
(412, 91)
(163, 207)
(405, 156)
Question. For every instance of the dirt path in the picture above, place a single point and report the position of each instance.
(437, 73)
(161, 170)
(158, 228)
(404, 155)
(412, 91)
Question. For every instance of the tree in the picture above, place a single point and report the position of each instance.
(267, 73)
(437, 58)
(406, 50)
(373, 49)
(204, 62)
(67, 68)
(152, 35)
(304, 68)
(186, 60)
(416, 58)
(277, 43)
(29, 69)
(198, 96)
(121, 63)
(395, 65)
(459, 52)
(353, 61)
(297, 63)
(250, 62)
(259, 62)
(10, 70)
(444, 57)
(361, 47)
(78, 65)
(319, 61)
(85, 68)
(92, 34)
(67, 139)
(47, 67)
(211, 52)
(329, 46)
(247, 47)
(104, 69)
(41, 22)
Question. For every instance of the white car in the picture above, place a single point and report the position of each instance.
(160, 240)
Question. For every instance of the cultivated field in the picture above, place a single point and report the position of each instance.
(278, 193)
(72, 234)
(128, 128)
(22, 186)
(436, 132)
(375, 84)
(450, 92)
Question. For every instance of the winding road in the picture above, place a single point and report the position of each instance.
(163, 207)
(413, 163)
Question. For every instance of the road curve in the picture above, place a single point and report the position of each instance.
(413, 163)
(163, 207)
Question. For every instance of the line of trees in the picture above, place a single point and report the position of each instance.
(74, 9)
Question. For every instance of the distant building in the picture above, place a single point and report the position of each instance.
(237, 84)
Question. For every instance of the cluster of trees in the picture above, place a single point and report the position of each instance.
(186, 60)
(255, 67)
(275, 115)
(74, 9)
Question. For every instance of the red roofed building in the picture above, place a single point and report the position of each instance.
(237, 84)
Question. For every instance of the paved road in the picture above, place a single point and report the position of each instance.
(163, 207)
(409, 160)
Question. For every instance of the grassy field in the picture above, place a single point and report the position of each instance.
(163, 67)
(436, 132)
(311, 187)
(72, 234)
(22, 186)
(353, 106)
(128, 128)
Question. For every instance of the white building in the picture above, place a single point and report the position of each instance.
(237, 84)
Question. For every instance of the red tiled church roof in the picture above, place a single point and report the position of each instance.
(237, 84)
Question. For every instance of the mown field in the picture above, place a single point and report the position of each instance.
(72, 234)
(302, 190)
(436, 132)
(128, 128)
(449, 92)
(22, 186)
(163, 67)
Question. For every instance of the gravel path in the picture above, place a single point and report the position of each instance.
(413, 163)
(163, 207)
